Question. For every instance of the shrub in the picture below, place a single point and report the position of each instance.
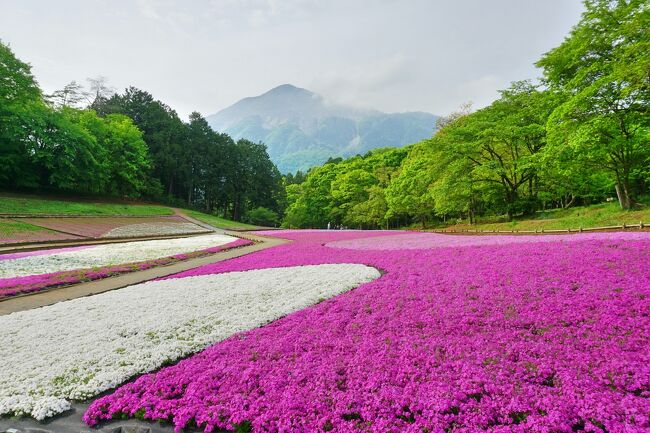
(263, 217)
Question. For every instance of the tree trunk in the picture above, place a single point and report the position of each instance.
(623, 194)
(512, 199)
(569, 203)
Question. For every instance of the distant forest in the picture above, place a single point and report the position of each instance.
(94, 141)
(581, 135)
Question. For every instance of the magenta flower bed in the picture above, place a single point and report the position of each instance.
(524, 337)
(34, 283)
(412, 241)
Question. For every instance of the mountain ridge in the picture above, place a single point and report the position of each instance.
(301, 129)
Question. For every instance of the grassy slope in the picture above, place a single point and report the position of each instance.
(8, 228)
(599, 215)
(31, 206)
(219, 222)
(36, 206)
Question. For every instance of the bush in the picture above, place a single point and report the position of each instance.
(263, 217)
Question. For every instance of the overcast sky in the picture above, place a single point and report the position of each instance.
(391, 55)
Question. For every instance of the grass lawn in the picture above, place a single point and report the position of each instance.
(9, 227)
(600, 215)
(34, 206)
(219, 222)
(39, 206)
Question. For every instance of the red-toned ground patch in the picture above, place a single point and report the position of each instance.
(101, 226)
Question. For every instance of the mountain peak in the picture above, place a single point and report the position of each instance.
(302, 130)
(287, 88)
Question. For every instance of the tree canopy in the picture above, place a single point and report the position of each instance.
(580, 135)
(126, 145)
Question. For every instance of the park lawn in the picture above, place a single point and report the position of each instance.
(35, 206)
(219, 222)
(38, 206)
(600, 215)
(10, 227)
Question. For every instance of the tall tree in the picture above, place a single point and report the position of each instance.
(501, 143)
(99, 91)
(162, 129)
(602, 67)
(70, 96)
(20, 98)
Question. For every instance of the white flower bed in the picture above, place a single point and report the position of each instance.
(107, 255)
(153, 229)
(77, 349)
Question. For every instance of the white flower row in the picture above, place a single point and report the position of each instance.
(107, 255)
(153, 229)
(77, 349)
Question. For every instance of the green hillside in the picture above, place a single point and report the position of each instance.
(600, 215)
(36, 206)
(219, 222)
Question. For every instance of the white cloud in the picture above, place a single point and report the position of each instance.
(206, 54)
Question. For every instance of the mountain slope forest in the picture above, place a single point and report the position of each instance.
(302, 130)
(581, 135)
(125, 145)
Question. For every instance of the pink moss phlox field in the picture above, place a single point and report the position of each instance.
(34, 283)
(13, 256)
(524, 337)
(436, 240)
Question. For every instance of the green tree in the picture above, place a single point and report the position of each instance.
(501, 143)
(602, 67)
(262, 216)
(20, 97)
(124, 164)
(163, 131)
(408, 195)
(310, 203)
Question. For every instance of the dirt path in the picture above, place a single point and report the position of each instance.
(185, 216)
(39, 299)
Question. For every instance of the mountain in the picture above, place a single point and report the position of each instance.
(302, 130)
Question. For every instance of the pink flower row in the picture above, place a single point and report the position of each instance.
(14, 286)
(436, 240)
(520, 337)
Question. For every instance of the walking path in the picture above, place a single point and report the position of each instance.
(185, 216)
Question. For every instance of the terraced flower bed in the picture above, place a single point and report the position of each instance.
(38, 270)
(459, 334)
(111, 227)
(76, 349)
(14, 232)
(509, 337)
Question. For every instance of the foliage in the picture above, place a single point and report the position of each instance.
(263, 217)
(599, 215)
(602, 68)
(579, 137)
(125, 145)
(344, 192)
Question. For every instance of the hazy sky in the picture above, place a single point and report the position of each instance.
(391, 55)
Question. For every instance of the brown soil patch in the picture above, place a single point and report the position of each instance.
(95, 227)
